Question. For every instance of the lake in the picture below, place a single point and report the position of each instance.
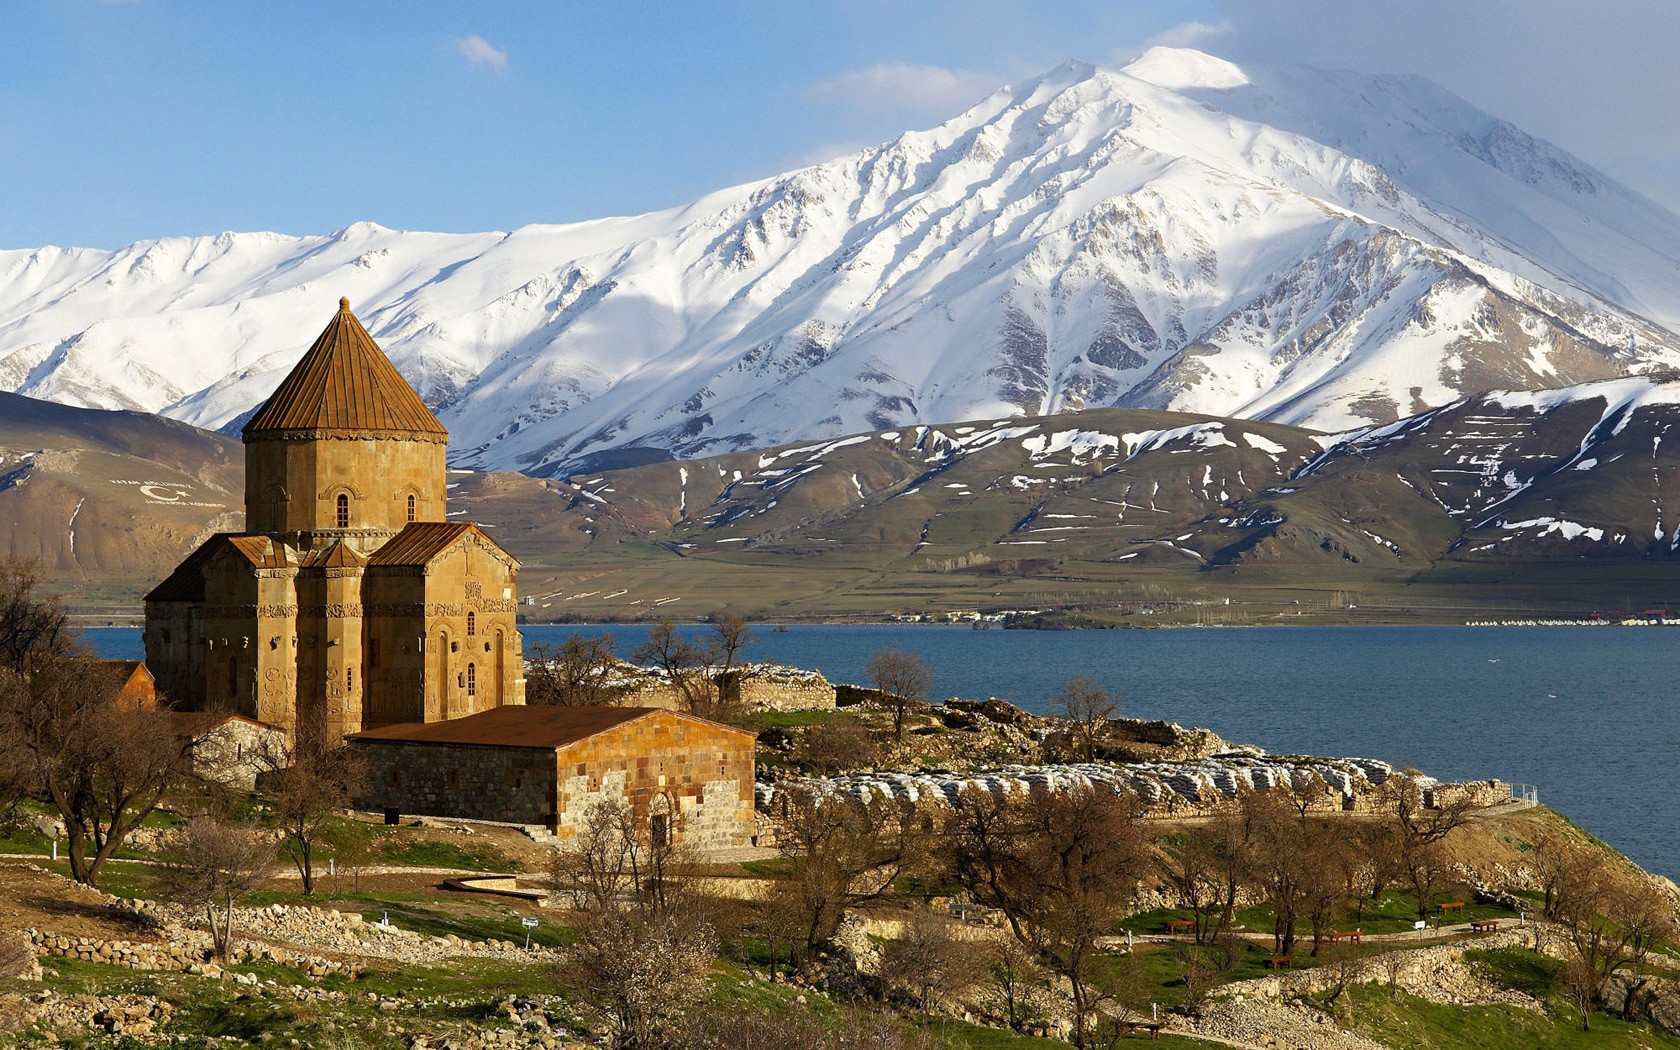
(1587, 714)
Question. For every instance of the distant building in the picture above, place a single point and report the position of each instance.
(350, 601)
(685, 777)
(227, 749)
(137, 690)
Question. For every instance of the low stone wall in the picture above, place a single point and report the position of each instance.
(758, 687)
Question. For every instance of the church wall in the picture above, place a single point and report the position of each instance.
(394, 646)
(473, 782)
(475, 649)
(174, 640)
(301, 480)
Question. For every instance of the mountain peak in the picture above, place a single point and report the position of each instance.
(1179, 68)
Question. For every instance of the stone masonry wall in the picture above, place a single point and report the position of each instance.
(510, 784)
(696, 775)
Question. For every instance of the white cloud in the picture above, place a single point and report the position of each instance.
(480, 52)
(1192, 34)
(902, 88)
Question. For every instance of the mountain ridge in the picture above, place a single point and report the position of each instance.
(1325, 249)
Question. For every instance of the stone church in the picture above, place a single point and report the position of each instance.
(350, 602)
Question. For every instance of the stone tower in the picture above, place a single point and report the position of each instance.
(350, 601)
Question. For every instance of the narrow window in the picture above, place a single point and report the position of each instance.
(396, 778)
(454, 778)
(343, 511)
(274, 514)
(472, 680)
(373, 652)
(233, 677)
(472, 624)
(349, 679)
(411, 506)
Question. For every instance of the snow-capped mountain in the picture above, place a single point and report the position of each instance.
(1321, 249)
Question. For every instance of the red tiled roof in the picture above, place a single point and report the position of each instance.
(421, 541)
(519, 725)
(345, 382)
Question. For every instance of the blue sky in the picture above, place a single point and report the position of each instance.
(127, 120)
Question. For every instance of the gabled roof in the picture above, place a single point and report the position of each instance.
(421, 541)
(337, 555)
(535, 726)
(345, 383)
(190, 725)
(261, 551)
(186, 583)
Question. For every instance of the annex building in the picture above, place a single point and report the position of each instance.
(686, 779)
(350, 602)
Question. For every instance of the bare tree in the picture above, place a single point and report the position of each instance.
(1014, 969)
(64, 737)
(1062, 867)
(927, 963)
(902, 680)
(581, 672)
(706, 674)
(837, 745)
(308, 783)
(1190, 863)
(841, 851)
(1614, 917)
(642, 969)
(217, 864)
(1422, 819)
(616, 860)
(1088, 708)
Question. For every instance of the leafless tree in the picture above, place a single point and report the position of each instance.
(841, 851)
(309, 782)
(642, 969)
(1613, 917)
(837, 745)
(706, 673)
(1014, 969)
(580, 672)
(928, 963)
(1088, 708)
(1062, 866)
(1420, 829)
(616, 860)
(105, 769)
(902, 679)
(216, 865)
(1190, 863)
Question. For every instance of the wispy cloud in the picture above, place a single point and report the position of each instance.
(481, 52)
(899, 87)
(1192, 34)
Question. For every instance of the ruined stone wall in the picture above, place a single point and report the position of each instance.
(473, 782)
(234, 753)
(758, 689)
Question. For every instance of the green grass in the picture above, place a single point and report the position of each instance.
(1408, 1021)
(469, 916)
(432, 854)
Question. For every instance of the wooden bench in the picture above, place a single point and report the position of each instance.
(1485, 925)
(1180, 925)
(1279, 962)
(1349, 935)
(1457, 906)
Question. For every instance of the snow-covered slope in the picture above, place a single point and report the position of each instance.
(1285, 244)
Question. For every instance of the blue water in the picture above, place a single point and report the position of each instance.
(1589, 714)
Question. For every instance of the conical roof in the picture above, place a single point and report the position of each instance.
(345, 383)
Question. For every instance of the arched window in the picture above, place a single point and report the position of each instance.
(274, 514)
(472, 624)
(411, 506)
(472, 680)
(343, 511)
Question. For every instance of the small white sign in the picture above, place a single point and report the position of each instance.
(1420, 925)
(527, 923)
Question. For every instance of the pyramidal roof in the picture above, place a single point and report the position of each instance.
(345, 382)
